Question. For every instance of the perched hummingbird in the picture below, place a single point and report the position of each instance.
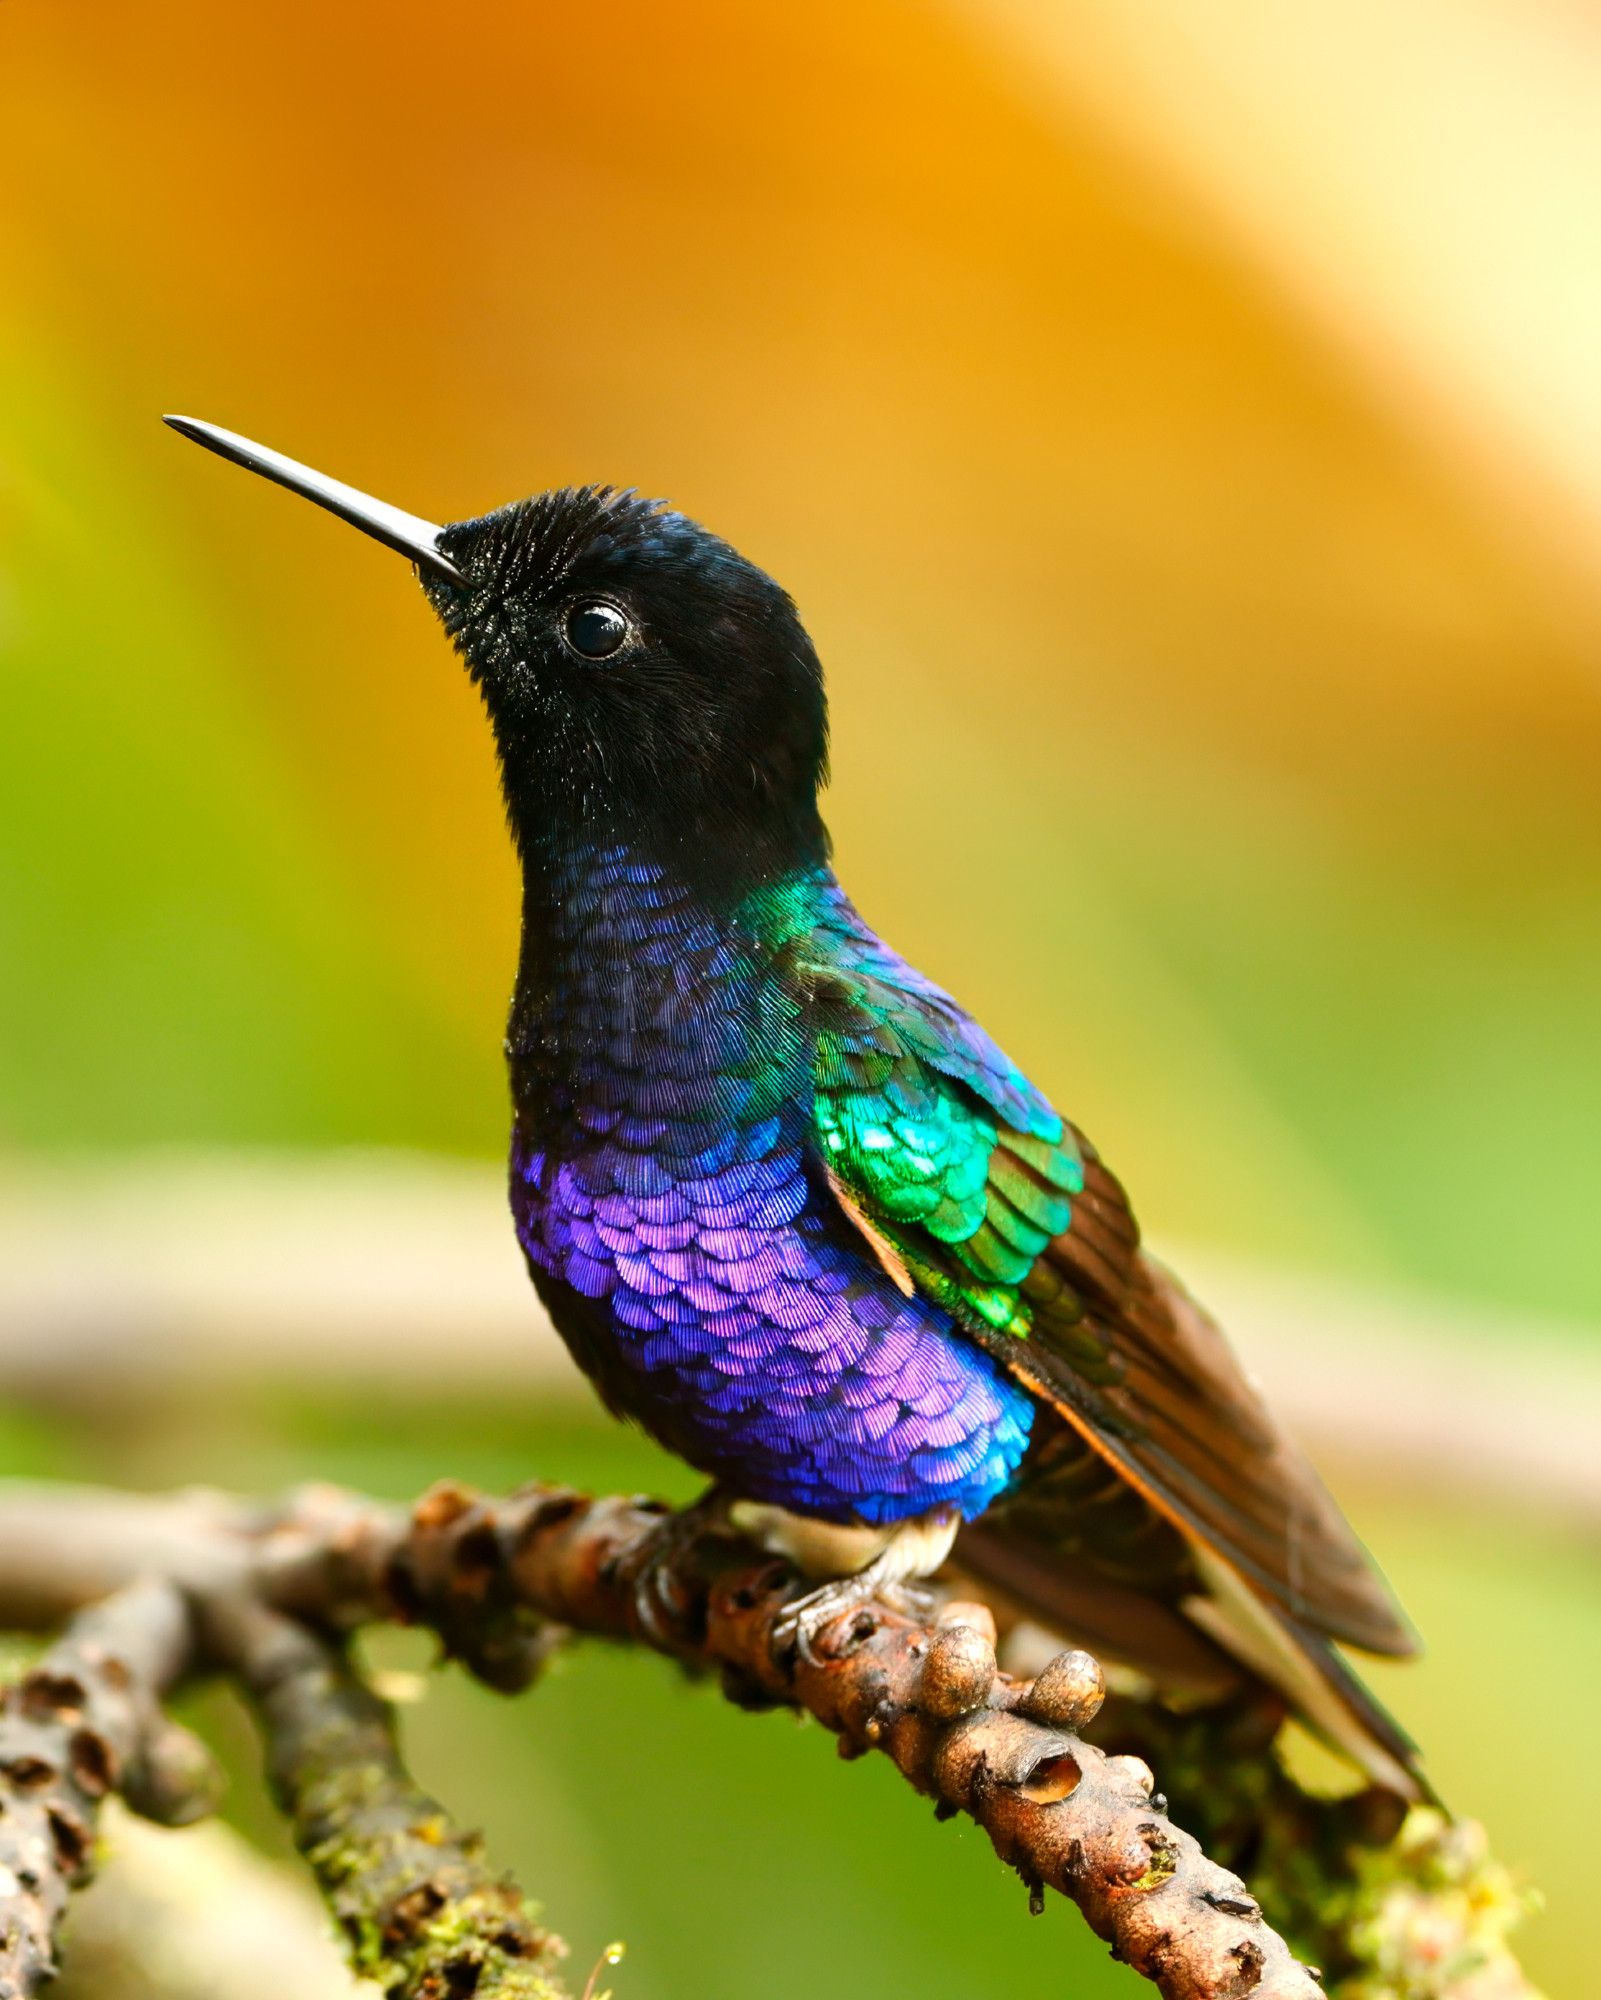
(789, 1206)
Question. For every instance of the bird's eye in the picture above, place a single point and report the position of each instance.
(595, 630)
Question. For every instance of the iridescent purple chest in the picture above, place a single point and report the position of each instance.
(690, 1251)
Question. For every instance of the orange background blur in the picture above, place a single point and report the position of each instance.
(1180, 426)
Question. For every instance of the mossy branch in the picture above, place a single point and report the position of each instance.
(1063, 1789)
(420, 1913)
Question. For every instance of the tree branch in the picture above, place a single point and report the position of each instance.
(343, 1269)
(1370, 1896)
(420, 1913)
(83, 1720)
(492, 1579)
(1061, 1811)
(414, 1901)
(501, 1582)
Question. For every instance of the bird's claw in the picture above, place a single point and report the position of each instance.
(803, 1622)
(662, 1606)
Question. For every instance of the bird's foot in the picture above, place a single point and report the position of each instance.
(914, 1551)
(663, 1608)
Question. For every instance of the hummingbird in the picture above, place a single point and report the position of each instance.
(789, 1206)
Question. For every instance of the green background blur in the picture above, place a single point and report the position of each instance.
(1183, 437)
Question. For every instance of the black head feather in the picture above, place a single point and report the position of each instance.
(701, 729)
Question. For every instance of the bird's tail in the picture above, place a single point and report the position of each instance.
(1310, 1670)
(1202, 1647)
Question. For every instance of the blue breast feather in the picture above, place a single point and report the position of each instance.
(668, 1201)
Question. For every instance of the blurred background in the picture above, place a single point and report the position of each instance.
(1181, 427)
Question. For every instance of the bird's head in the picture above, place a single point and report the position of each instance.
(645, 682)
(639, 672)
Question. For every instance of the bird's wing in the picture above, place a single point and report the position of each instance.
(966, 1184)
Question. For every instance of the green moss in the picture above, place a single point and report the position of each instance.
(415, 1907)
(1432, 1912)
(1163, 1866)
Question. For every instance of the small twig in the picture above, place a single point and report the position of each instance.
(82, 1721)
(612, 1955)
(420, 1912)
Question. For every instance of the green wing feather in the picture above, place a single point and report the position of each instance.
(943, 1140)
(1004, 1215)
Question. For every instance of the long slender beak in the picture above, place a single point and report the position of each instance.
(397, 530)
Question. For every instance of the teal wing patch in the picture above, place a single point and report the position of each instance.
(950, 1150)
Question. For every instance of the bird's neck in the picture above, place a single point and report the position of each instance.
(631, 966)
